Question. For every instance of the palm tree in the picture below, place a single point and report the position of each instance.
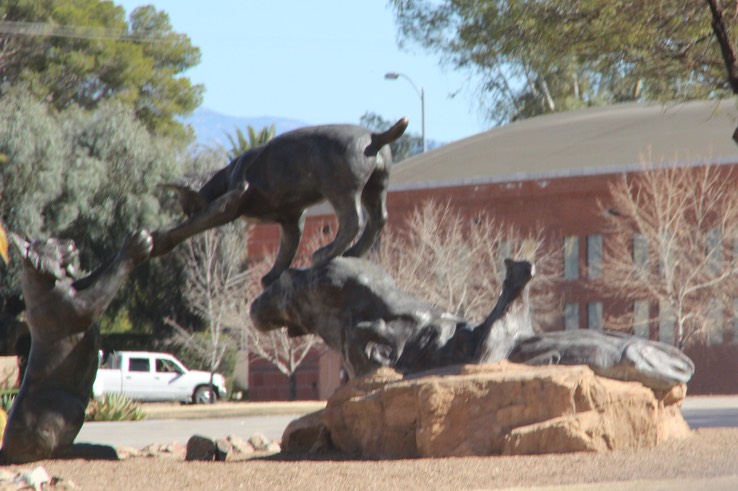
(240, 144)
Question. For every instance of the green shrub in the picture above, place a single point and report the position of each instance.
(114, 407)
(7, 398)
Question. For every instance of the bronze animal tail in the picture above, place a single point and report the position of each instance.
(381, 139)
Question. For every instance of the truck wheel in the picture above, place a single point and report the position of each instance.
(202, 395)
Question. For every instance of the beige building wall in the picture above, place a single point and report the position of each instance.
(9, 372)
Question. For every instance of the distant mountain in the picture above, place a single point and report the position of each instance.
(212, 127)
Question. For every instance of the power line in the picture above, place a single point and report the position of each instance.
(43, 29)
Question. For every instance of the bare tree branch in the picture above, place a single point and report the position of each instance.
(276, 347)
(687, 217)
(215, 280)
(457, 264)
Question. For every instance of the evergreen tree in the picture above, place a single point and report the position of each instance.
(538, 56)
(83, 52)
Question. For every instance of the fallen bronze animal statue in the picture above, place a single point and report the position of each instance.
(65, 340)
(358, 311)
(609, 354)
(346, 165)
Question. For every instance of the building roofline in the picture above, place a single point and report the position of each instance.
(590, 141)
(555, 174)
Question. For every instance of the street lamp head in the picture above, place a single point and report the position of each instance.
(395, 76)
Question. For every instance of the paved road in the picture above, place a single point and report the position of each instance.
(710, 411)
(138, 434)
(698, 411)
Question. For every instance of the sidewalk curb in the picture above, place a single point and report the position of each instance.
(721, 483)
(236, 409)
(156, 411)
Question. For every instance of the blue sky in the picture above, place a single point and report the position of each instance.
(319, 61)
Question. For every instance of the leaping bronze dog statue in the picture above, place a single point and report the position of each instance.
(276, 182)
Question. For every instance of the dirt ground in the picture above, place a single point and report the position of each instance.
(710, 453)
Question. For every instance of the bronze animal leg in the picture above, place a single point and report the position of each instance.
(350, 222)
(290, 240)
(374, 199)
(223, 210)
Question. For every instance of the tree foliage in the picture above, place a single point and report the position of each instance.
(533, 57)
(670, 242)
(83, 52)
(240, 143)
(90, 176)
(88, 106)
(35, 148)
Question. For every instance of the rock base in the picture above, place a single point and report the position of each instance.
(499, 409)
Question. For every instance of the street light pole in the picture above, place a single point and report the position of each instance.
(420, 92)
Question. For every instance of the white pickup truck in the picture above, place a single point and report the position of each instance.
(145, 376)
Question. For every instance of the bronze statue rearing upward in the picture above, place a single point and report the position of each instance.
(61, 313)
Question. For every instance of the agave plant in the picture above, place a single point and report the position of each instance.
(114, 407)
(7, 398)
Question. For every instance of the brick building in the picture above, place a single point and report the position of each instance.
(554, 171)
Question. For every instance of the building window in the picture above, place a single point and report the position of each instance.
(714, 324)
(714, 251)
(594, 256)
(594, 316)
(641, 319)
(571, 258)
(528, 249)
(571, 316)
(735, 320)
(666, 256)
(666, 323)
(640, 250)
(504, 251)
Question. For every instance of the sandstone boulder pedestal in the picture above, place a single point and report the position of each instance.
(497, 409)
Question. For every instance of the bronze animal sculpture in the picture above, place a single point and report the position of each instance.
(358, 311)
(354, 306)
(344, 164)
(609, 354)
(61, 312)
